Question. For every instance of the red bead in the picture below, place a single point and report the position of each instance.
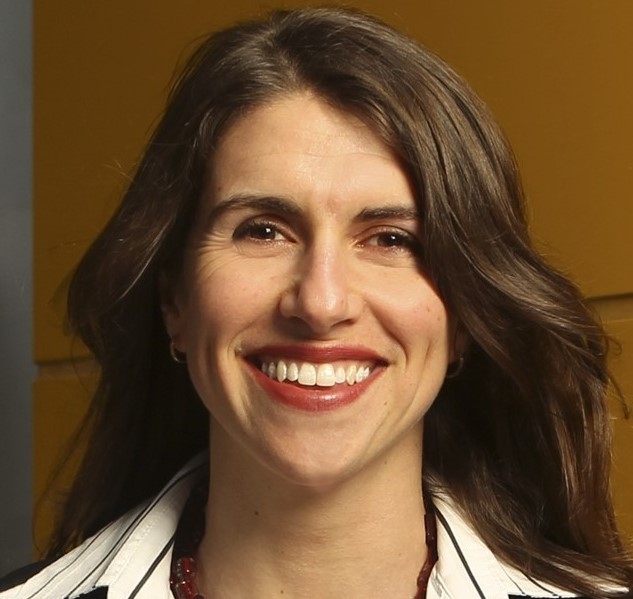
(183, 590)
(182, 579)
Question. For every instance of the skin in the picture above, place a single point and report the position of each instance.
(330, 264)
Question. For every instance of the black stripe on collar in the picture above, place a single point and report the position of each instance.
(442, 519)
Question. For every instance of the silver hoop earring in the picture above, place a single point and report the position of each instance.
(176, 356)
(455, 368)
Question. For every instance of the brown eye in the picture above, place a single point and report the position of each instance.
(259, 231)
(394, 240)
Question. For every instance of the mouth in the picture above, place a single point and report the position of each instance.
(315, 379)
(314, 374)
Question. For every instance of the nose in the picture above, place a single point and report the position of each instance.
(320, 294)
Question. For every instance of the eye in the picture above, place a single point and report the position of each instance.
(258, 231)
(394, 240)
(391, 239)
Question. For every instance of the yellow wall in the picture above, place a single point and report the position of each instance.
(557, 75)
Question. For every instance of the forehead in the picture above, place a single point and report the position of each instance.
(299, 144)
(303, 116)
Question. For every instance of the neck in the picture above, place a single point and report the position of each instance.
(359, 537)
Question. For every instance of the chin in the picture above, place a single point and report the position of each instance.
(318, 475)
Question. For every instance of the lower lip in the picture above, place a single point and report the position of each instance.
(312, 399)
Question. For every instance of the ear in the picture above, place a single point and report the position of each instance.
(460, 341)
(172, 307)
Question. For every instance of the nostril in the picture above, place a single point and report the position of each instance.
(321, 302)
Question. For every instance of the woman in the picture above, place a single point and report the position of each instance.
(324, 249)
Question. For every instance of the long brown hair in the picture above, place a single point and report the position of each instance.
(520, 439)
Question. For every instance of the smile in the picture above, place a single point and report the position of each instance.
(315, 379)
(310, 374)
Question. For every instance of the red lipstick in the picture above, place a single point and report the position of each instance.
(314, 399)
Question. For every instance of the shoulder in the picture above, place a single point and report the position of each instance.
(11, 583)
(467, 567)
(128, 558)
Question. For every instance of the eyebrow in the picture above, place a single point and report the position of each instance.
(280, 205)
(387, 212)
(239, 201)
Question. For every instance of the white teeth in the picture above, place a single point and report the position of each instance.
(293, 372)
(362, 374)
(307, 374)
(351, 375)
(282, 371)
(271, 370)
(320, 375)
(325, 375)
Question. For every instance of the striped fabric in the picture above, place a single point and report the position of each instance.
(467, 569)
(130, 558)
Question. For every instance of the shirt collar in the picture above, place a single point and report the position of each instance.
(466, 567)
(131, 557)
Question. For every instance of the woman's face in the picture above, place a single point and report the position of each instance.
(311, 333)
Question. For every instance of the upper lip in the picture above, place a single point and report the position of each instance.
(317, 354)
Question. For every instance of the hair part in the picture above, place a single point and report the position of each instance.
(530, 404)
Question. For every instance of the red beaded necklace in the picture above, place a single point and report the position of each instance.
(190, 530)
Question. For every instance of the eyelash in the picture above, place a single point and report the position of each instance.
(264, 231)
(252, 228)
(402, 240)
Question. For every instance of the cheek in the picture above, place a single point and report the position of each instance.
(215, 306)
(416, 315)
(226, 298)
